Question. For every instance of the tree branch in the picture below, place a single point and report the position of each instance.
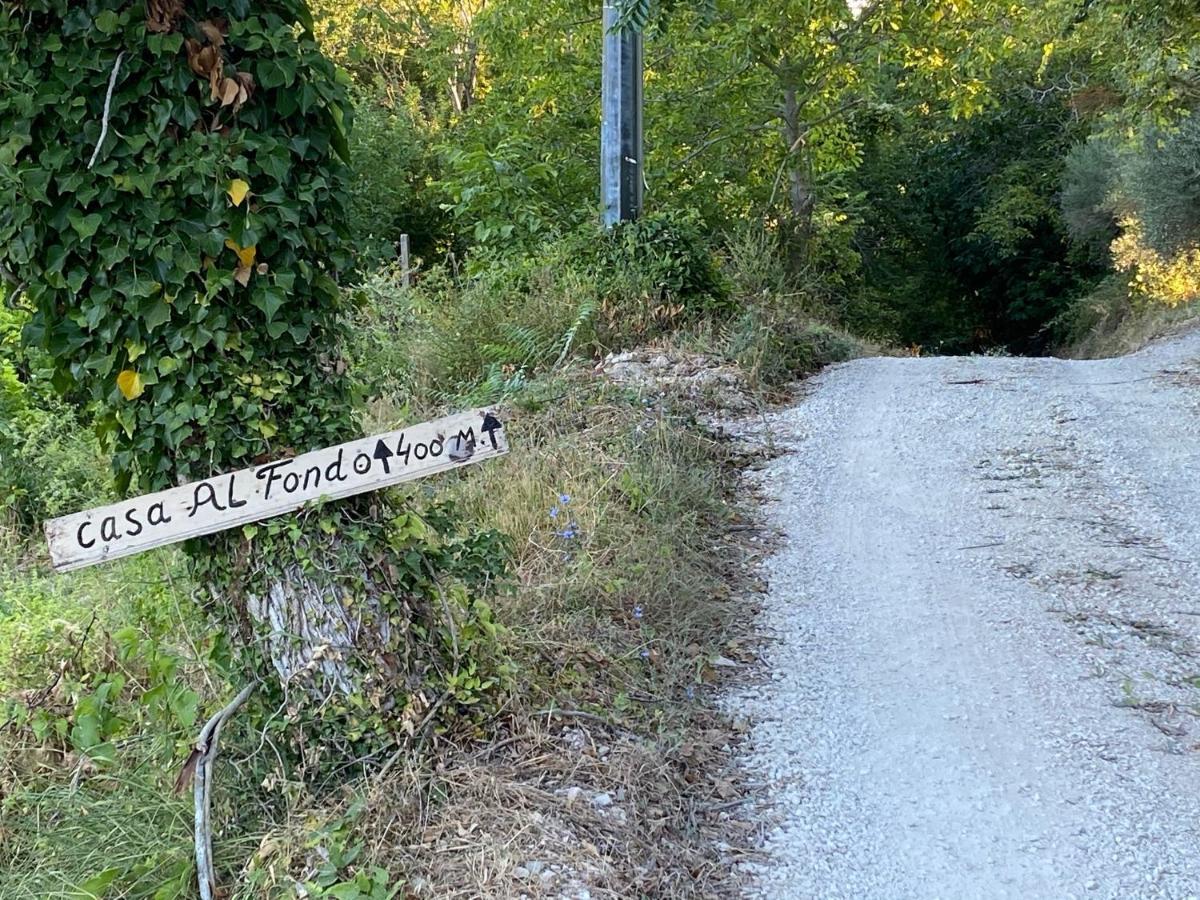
(202, 758)
(112, 83)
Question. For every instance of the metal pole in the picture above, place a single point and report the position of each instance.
(405, 271)
(621, 120)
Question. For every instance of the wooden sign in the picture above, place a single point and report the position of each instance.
(237, 498)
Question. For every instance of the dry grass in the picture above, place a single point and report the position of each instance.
(608, 772)
(1107, 324)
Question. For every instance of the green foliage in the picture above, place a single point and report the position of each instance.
(1149, 52)
(502, 196)
(775, 350)
(100, 697)
(157, 287)
(478, 337)
(1162, 183)
(391, 163)
(338, 877)
(664, 258)
(1089, 180)
(964, 244)
(50, 462)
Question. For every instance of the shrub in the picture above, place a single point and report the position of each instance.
(1087, 199)
(1163, 181)
(477, 336)
(50, 462)
(1168, 278)
(1098, 312)
(391, 164)
(774, 349)
(663, 259)
(447, 337)
(50, 465)
(501, 196)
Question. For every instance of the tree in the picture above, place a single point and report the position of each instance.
(172, 195)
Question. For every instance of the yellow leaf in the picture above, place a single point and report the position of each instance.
(245, 255)
(130, 383)
(237, 191)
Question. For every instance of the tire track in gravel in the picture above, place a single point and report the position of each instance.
(982, 677)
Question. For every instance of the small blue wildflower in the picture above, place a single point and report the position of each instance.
(645, 654)
(564, 499)
(554, 512)
(638, 611)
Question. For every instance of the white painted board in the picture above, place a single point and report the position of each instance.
(237, 498)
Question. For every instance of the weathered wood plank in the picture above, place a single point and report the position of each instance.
(250, 495)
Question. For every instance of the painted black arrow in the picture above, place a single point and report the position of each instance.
(383, 454)
(491, 425)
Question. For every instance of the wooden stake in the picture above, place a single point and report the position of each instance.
(405, 271)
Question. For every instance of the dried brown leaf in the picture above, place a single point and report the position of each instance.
(162, 16)
(229, 92)
(246, 80)
(186, 773)
(212, 32)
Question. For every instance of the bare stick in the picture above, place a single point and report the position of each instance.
(112, 83)
(206, 748)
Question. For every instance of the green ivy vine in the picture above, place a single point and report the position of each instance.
(172, 197)
(186, 282)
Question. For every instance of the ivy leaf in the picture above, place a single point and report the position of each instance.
(85, 226)
(237, 190)
(157, 315)
(245, 255)
(130, 384)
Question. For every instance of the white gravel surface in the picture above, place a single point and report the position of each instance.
(982, 677)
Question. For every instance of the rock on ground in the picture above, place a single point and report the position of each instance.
(982, 677)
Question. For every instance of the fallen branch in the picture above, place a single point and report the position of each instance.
(41, 696)
(112, 83)
(199, 767)
(586, 716)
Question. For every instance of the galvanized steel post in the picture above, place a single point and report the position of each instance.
(621, 176)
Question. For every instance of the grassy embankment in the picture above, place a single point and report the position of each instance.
(602, 763)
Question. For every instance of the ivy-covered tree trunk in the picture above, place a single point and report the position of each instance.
(172, 187)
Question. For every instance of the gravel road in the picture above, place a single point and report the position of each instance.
(982, 676)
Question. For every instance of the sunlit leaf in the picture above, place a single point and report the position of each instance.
(245, 255)
(130, 384)
(237, 190)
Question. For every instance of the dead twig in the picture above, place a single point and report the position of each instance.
(580, 714)
(112, 83)
(200, 765)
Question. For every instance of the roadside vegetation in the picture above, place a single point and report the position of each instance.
(820, 186)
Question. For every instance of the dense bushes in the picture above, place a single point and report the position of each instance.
(1162, 180)
(50, 461)
(963, 243)
(1088, 205)
(1136, 204)
(391, 165)
(485, 331)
